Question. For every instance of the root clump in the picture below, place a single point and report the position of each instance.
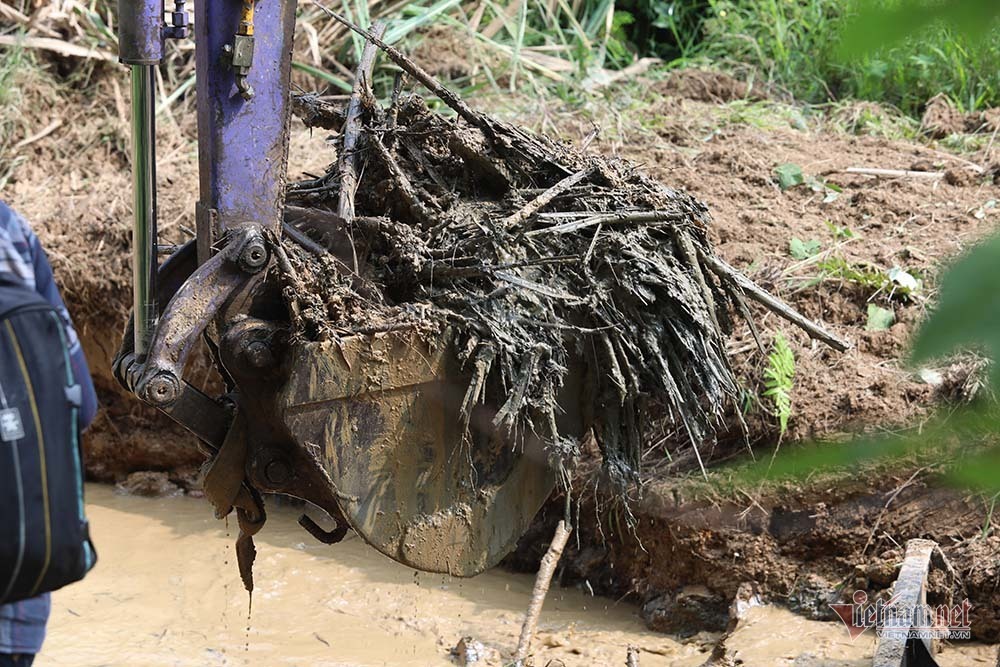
(551, 272)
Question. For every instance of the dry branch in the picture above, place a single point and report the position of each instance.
(57, 46)
(772, 303)
(414, 70)
(542, 582)
(894, 173)
(348, 162)
(545, 198)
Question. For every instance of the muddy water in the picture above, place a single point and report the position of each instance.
(166, 592)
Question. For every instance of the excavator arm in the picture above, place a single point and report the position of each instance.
(366, 428)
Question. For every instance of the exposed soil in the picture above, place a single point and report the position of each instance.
(941, 118)
(705, 86)
(74, 188)
(802, 547)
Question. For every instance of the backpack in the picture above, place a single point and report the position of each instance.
(44, 536)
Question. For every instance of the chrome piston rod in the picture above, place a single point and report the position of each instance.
(144, 191)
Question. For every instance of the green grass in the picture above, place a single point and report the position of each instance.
(779, 378)
(12, 63)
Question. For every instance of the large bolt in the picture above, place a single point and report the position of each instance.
(277, 472)
(253, 256)
(161, 390)
(258, 354)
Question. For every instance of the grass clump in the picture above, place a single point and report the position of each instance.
(779, 377)
(793, 45)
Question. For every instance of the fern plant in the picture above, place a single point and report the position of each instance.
(778, 379)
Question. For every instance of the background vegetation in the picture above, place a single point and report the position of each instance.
(790, 47)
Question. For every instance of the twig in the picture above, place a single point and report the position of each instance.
(292, 276)
(57, 46)
(969, 164)
(41, 134)
(542, 200)
(414, 70)
(409, 193)
(892, 496)
(638, 217)
(751, 290)
(315, 112)
(348, 166)
(303, 240)
(893, 173)
(542, 582)
(989, 154)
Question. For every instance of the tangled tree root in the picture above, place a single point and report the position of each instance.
(536, 259)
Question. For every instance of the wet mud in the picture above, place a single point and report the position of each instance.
(166, 592)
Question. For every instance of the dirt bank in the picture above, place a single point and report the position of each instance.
(802, 547)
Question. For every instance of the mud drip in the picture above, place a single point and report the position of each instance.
(163, 596)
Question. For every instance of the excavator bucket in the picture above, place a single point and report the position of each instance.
(385, 415)
(371, 429)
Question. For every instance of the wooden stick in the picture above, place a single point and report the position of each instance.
(303, 240)
(41, 134)
(348, 161)
(414, 70)
(542, 582)
(542, 200)
(893, 173)
(293, 278)
(352, 129)
(315, 112)
(772, 303)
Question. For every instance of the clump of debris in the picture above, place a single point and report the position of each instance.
(536, 258)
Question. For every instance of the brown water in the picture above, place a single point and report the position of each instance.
(166, 592)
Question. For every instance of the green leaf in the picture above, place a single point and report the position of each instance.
(800, 249)
(789, 175)
(879, 319)
(968, 312)
(323, 75)
(779, 379)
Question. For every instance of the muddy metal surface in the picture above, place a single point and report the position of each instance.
(166, 592)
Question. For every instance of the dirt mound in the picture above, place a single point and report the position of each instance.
(942, 118)
(705, 86)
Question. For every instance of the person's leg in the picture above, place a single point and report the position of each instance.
(21, 660)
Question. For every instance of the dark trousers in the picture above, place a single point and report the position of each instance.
(23, 660)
